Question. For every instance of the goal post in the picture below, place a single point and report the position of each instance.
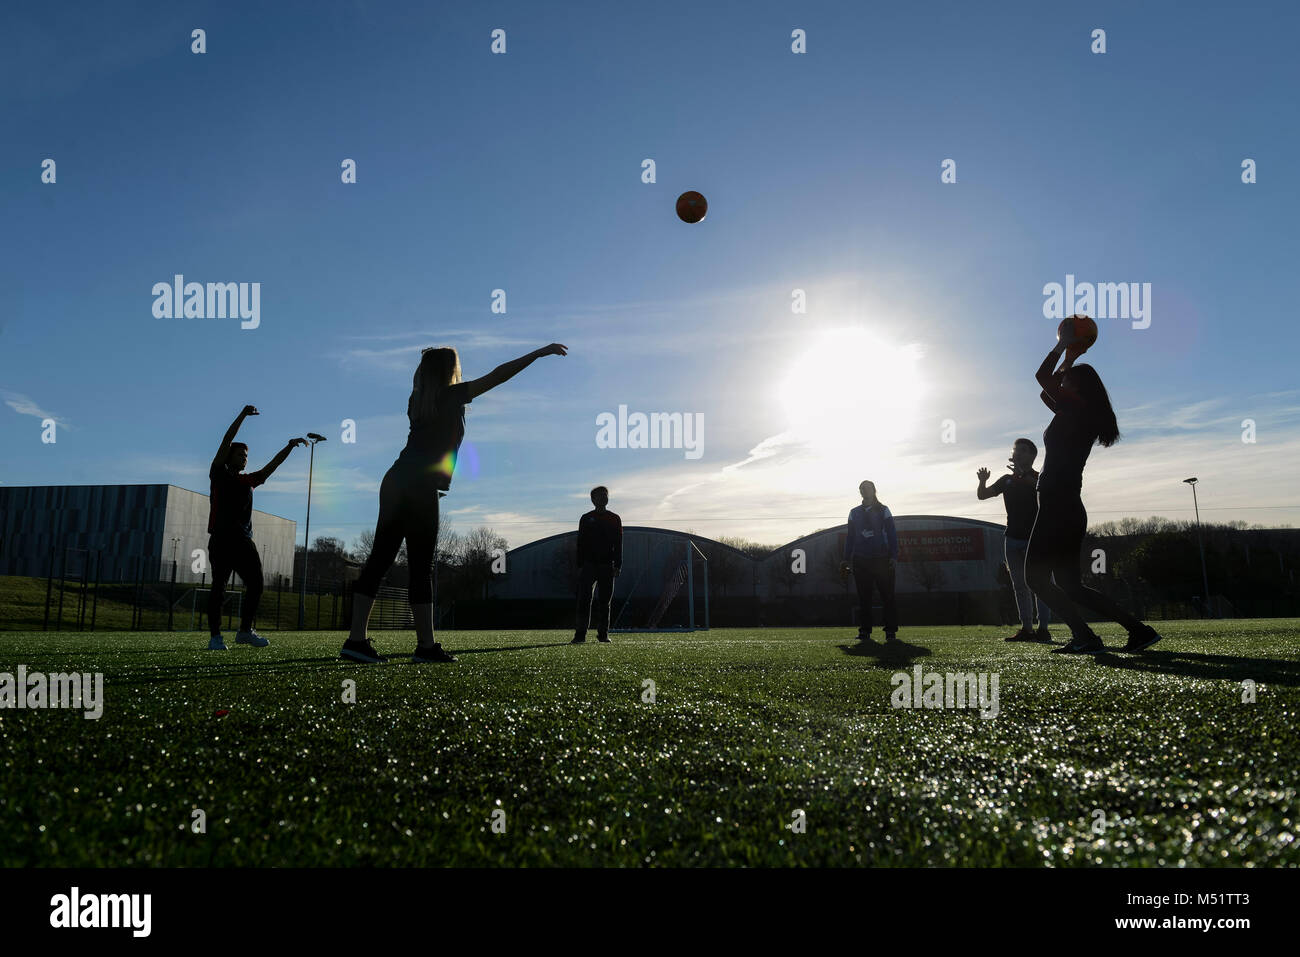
(671, 594)
(232, 605)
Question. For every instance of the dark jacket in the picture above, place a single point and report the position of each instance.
(600, 538)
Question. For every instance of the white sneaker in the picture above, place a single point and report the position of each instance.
(251, 637)
(217, 643)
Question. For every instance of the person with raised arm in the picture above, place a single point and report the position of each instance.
(1083, 418)
(1019, 495)
(230, 531)
(408, 495)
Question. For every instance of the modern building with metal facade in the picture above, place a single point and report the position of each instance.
(132, 530)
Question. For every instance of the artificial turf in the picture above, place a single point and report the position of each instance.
(1147, 759)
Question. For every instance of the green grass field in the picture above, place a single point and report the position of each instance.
(1158, 750)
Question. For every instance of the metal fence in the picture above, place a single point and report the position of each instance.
(72, 598)
(76, 600)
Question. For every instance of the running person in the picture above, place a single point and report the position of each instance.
(600, 558)
(871, 553)
(230, 532)
(408, 495)
(1083, 417)
(1018, 495)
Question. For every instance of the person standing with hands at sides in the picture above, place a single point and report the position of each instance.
(871, 554)
(230, 531)
(1083, 416)
(408, 495)
(1021, 500)
(600, 558)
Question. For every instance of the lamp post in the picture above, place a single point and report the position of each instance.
(313, 438)
(1205, 579)
(171, 586)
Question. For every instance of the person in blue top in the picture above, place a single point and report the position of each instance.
(871, 554)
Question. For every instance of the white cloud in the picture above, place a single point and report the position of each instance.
(25, 405)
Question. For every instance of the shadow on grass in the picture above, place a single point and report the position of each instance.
(1212, 667)
(479, 651)
(889, 654)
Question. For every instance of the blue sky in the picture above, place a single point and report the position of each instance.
(522, 172)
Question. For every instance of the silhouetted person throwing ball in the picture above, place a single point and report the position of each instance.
(230, 532)
(1083, 417)
(871, 554)
(600, 559)
(1019, 495)
(408, 495)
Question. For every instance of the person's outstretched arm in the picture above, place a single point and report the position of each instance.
(983, 491)
(229, 437)
(265, 472)
(508, 370)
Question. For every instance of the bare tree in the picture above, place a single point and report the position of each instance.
(476, 557)
(752, 549)
(449, 546)
(364, 545)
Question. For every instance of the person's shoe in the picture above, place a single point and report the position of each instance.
(603, 639)
(1021, 635)
(1088, 644)
(579, 640)
(251, 637)
(1042, 634)
(217, 643)
(1142, 638)
(362, 651)
(433, 653)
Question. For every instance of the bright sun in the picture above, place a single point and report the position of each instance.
(851, 387)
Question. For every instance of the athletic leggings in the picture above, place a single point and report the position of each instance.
(408, 509)
(1052, 564)
(234, 553)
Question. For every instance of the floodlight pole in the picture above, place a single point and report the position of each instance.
(306, 538)
(1205, 578)
(171, 587)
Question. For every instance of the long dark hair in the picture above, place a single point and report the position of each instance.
(873, 491)
(438, 369)
(1084, 378)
